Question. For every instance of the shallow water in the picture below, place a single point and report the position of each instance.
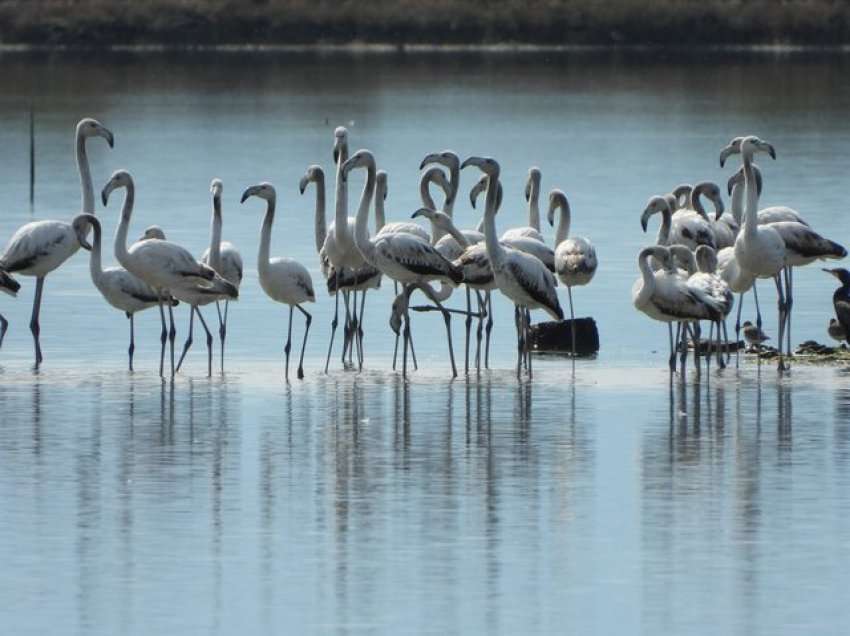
(607, 501)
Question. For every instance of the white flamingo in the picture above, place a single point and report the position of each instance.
(119, 288)
(168, 268)
(224, 258)
(532, 196)
(714, 286)
(760, 249)
(39, 247)
(691, 225)
(666, 296)
(400, 256)
(8, 285)
(525, 239)
(523, 278)
(575, 257)
(449, 160)
(283, 279)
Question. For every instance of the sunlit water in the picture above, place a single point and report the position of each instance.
(607, 501)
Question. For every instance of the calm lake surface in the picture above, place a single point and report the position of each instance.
(607, 500)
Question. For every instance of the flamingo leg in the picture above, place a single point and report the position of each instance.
(782, 314)
(334, 323)
(479, 333)
(395, 346)
(789, 303)
(132, 348)
(572, 320)
(671, 362)
(406, 334)
(188, 342)
(738, 328)
(308, 319)
(35, 328)
(360, 330)
(172, 334)
(346, 327)
(209, 342)
(758, 310)
(519, 343)
(683, 346)
(162, 338)
(4, 325)
(222, 327)
(288, 347)
(527, 340)
(352, 334)
(468, 329)
(488, 329)
(696, 334)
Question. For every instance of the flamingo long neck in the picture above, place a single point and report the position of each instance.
(648, 277)
(663, 237)
(121, 233)
(454, 183)
(380, 216)
(563, 224)
(752, 200)
(428, 202)
(534, 206)
(341, 213)
(85, 175)
(457, 235)
(321, 229)
(737, 201)
(361, 231)
(494, 248)
(215, 235)
(263, 254)
(696, 203)
(95, 262)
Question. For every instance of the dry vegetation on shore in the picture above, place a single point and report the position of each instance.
(558, 22)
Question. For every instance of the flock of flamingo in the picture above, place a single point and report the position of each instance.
(688, 276)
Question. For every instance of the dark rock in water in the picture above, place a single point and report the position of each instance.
(556, 336)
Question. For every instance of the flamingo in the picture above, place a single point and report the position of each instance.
(452, 246)
(225, 259)
(118, 287)
(666, 296)
(691, 226)
(575, 257)
(168, 268)
(39, 247)
(283, 279)
(8, 285)
(760, 249)
(449, 160)
(523, 278)
(714, 286)
(400, 256)
(227, 262)
(532, 196)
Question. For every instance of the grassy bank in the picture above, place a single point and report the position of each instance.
(555, 22)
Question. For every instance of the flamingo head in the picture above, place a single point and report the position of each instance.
(262, 190)
(381, 185)
(340, 143)
(655, 205)
(532, 185)
(752, 144)
(682, 192)
(447, 158)
(89, 127)
(557, 200)
(360, 159)
(8, 285)
(216, 187)
(81, 226)
(314, 174)
(119, 179)
(732, 148)
(487, 165)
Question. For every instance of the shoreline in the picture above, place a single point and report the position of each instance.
(385, 48)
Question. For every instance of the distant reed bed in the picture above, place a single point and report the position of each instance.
(545, 22)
